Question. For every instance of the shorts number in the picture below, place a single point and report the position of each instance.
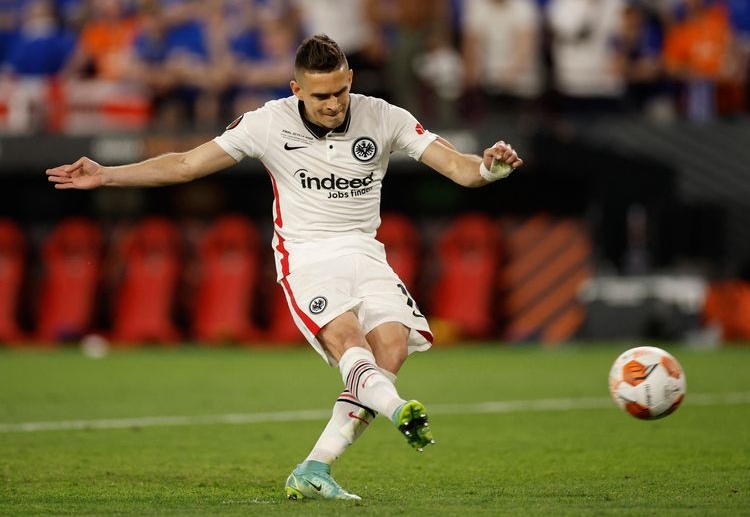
(410, 302)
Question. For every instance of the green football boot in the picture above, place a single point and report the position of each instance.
(411, 420)
(312, 480)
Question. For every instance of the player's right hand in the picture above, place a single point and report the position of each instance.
(84, 174)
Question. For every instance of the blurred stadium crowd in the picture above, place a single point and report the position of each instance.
(194, 64)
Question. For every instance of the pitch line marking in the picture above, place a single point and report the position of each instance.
(511, 406)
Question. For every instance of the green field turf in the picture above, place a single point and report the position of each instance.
(521, 431)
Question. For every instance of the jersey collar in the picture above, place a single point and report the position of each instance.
(320, 131)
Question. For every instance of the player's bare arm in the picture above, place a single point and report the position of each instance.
(167, 169)
(464, 168)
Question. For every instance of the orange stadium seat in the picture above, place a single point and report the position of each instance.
(468, 254)
(400, 237)
(727, 306)
(12, 272)
(225, 300)
(145, 297)
(72, 260)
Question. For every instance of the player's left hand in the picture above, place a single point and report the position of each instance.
(502, 152)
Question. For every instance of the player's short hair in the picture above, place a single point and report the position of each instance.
(319, 53)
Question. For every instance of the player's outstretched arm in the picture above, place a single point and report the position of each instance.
(469, 170)
(166, 169)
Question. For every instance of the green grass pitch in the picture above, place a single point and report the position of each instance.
(521, 431)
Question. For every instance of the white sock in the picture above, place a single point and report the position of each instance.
(349, 419)
(367, 383)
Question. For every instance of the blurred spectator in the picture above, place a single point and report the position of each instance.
(72, 13)
(739, 12)
(181, 52)
(357, 25)
(8, 24)
(739, 15)
(639, 49)
(263, 37)
(441, 70)
(147, 65)
(263, 65)
(501, 48)
(585, 71)
(416, 28)
(104, 42)
(697, 52)
(456, 13)
(39, 48)
(197, 55)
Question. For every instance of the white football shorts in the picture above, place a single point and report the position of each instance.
(317, 293)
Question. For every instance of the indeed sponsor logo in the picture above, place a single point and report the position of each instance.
(332, 182)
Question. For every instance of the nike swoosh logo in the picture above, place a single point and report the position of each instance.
(316, 487)
(649, 370)
(367, 378)
(293, 147)
(352, 415)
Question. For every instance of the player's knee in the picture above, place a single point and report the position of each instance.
(341, 334)
(391, 357)
(389, 345)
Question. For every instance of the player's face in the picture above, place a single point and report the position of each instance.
(325, 94)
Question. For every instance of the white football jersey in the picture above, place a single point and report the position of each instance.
(326, 183)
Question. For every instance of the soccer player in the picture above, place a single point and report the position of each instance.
(326, 151)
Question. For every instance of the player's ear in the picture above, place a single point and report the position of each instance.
(296, 88)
